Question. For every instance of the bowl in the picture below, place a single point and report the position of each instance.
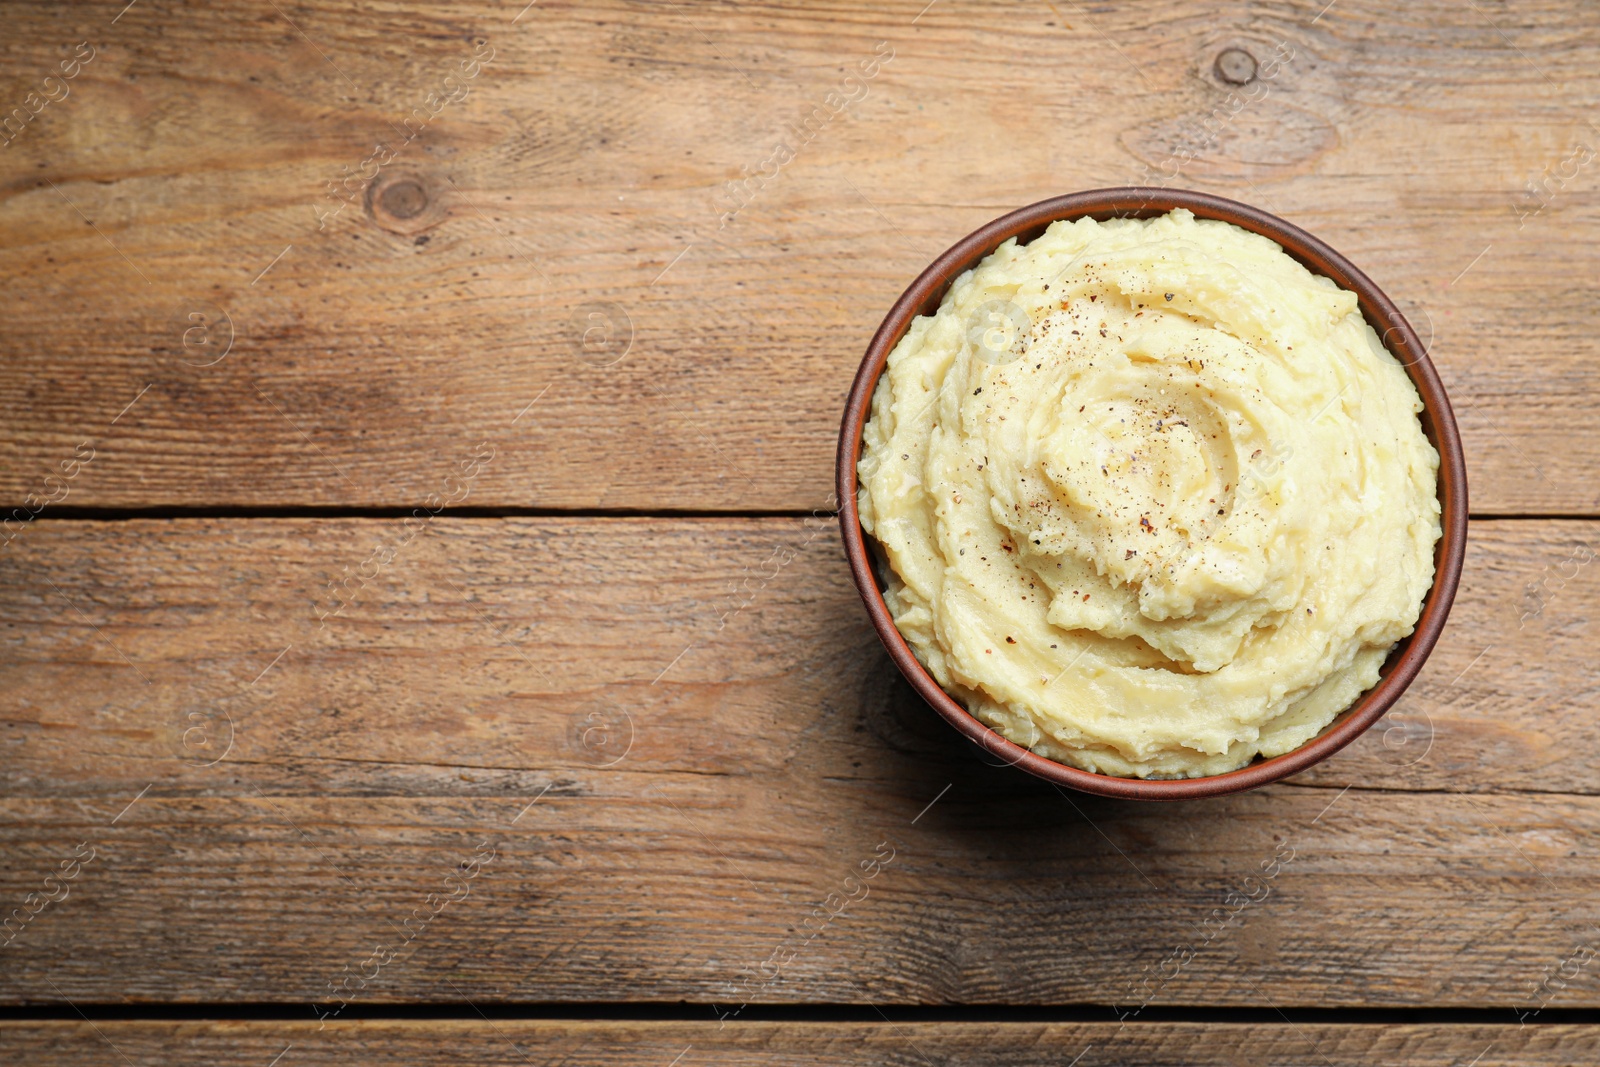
(1438, 423)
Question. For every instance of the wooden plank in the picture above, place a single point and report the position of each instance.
(654, 1044)
(361, 656)
(669, 786)
(717, 892)
(579, 187)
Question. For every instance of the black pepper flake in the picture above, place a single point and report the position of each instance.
(1168, 296)
(978, 390)
(1011, 640)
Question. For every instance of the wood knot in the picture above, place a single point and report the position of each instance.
(1235, 66)
(405, 199)
(405, 203)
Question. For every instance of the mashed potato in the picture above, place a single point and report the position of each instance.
(1155, 498)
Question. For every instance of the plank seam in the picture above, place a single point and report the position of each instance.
(400, 511)
(693, 1012)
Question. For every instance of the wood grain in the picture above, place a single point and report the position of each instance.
(458, 761)
(132, 646)
(585, 174)
(623, 1044)
(679, 737)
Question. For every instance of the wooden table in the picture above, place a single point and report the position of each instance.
(431, 641)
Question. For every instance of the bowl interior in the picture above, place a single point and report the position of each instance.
(1438, 424)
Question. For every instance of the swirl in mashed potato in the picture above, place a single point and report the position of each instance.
(1154, 497)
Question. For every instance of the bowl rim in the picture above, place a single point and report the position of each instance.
(1437, 418)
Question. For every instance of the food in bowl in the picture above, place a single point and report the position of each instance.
(1154, 498)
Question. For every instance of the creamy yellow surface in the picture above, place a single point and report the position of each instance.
(1155, 498)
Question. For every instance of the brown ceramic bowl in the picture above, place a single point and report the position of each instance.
(923, 297)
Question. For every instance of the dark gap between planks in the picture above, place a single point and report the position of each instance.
(400, 511)
(802, 1013)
